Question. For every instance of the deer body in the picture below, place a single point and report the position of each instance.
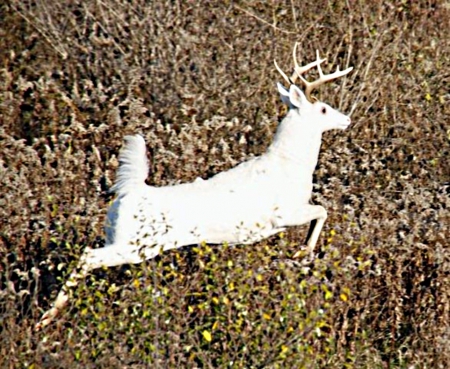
(246, 204)
(243, 205)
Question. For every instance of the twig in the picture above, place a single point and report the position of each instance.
(264, 21)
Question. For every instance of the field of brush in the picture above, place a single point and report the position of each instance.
(197, 80)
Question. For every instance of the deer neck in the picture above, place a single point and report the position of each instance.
(297, 142)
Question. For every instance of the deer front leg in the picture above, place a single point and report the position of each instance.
(305, 214)
(320, 216)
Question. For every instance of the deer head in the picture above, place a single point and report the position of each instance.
(322, 116)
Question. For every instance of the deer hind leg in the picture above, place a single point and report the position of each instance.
(91, 259)
(61, 300)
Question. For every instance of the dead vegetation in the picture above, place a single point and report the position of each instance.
(197, 80)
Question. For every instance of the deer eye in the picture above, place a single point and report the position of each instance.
(324, 110)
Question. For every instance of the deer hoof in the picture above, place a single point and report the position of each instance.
(303, 251)
(46, 319)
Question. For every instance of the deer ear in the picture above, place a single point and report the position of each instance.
(296, 97)
(284, 94)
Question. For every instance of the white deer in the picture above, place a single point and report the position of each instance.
(256, 199)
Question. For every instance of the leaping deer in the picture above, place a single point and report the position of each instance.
(254, 200)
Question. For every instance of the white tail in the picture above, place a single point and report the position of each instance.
(133, 167)
(248, 203)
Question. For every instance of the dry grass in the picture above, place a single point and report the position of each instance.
(197, 80)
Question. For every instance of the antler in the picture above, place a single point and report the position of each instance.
(298, 71)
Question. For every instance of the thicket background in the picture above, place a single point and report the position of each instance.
(197, 80)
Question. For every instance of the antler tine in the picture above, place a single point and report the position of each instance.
(310, 86)
(298, 70)
(287, 79)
